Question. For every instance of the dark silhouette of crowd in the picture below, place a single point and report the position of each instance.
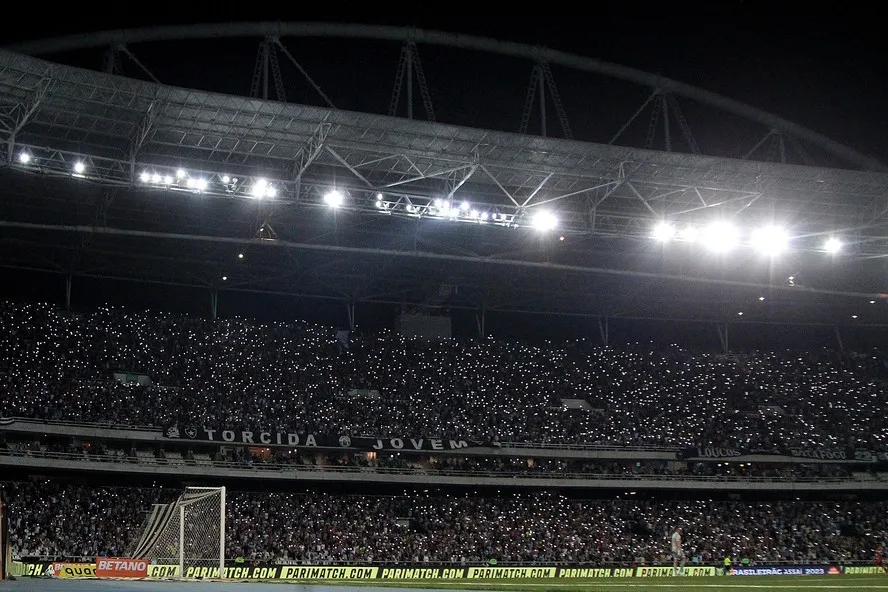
(49, 519)
(233, 373)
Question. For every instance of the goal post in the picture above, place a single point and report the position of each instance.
(188, 534)
(5, 547)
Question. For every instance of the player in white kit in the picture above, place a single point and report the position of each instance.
(678, 556)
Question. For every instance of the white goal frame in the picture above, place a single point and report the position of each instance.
(181, 545)
(160, 530)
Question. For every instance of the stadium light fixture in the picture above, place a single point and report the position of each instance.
(79, 168)
(24, 158)
(334, 198)
(181, 174)
(199, 184)
(664, 231)
(145, 177)
(770, 241)
(832, 245)
(544, 221)
(261, 188)
(720, 237)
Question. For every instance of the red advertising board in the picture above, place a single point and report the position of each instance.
(115, 567)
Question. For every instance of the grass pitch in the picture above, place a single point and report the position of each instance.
(676, 584)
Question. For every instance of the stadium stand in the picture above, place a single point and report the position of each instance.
(67, 521)
(60, 367)
(57, 366)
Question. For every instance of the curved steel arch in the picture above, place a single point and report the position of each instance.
(469, 42)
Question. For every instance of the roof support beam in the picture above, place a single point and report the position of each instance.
(416, 254)
(468, 42)
(18, 116)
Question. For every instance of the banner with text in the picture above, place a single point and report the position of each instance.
(818, 454)
(245, 572)
(262, 437)
(787, 570)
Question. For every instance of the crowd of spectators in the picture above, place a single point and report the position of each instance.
(50, 519)
(296, 376)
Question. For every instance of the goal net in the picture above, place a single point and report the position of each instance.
(188, 533)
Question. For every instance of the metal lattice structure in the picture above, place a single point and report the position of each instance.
(114, 177)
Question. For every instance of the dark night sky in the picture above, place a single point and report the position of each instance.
(824, 70)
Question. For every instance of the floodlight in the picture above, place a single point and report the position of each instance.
(79, 167)
(201, 184)
(155, 178)
(770, 241)
(24, 158)
(167, 180)
(720, 237)
(333, 198)
(832, 245)
(226, 179)
(664, 231)
(545, 221)
(181, 174)
(145, 176)
(259, 188)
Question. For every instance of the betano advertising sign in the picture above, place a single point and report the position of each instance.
(243, 572)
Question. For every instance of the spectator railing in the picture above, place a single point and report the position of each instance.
(293, 467)
(603, 447)
(521, 445)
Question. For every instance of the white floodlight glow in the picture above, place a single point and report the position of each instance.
(439, 203)
(167, 180)
(181, 174)
(688, 234)
(79, 167)
(464, 206)
(226, 179)
(201, 184)
(259, 188)
(664, 231)
(379, 196)
(191, 183)
(271, 191)
(24, 158)
(832, 245)
(484, 215)
(720, 237)
(770, 241)
(378, 203)
(473, 214)
(145, 176)
(156, 178)
(334, 198)
(545, 221)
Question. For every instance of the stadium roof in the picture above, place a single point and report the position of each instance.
(114, 177)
